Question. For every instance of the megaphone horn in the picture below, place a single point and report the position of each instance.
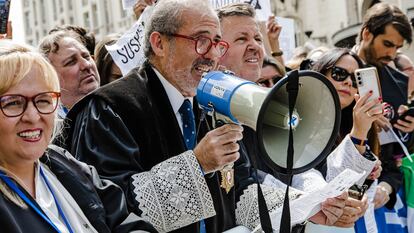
(315, 118)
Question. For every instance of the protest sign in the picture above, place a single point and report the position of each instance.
(128, 52)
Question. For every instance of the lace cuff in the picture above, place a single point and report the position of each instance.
(247, 211)
(347, 156)
(173, 194)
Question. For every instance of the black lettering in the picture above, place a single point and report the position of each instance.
(123, 55)
(133, 43)
(129, 49)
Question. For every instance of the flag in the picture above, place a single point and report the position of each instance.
(407, 168)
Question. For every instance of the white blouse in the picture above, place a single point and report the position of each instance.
(73, 213)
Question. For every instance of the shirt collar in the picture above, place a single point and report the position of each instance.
(175, 97)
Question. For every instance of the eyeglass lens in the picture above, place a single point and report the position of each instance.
(15, 105)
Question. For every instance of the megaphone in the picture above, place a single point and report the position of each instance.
(315, 119)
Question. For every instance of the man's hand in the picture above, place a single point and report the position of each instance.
(406, 126)
(331, 210)
(219, 147)
(353, 210)
(382, 195)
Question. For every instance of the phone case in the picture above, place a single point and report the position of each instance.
(367, 80)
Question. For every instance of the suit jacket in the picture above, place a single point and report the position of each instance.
(128, 127)
(394, 86)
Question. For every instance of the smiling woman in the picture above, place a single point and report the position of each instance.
(41, 189)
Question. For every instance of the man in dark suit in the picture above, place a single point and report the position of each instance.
(133, 130)
(384, 30)
(136, 131)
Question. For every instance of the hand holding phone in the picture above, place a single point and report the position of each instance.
(357, 192)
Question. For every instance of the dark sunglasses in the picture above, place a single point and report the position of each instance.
(340, 74)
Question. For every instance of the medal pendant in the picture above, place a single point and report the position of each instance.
(227, 179)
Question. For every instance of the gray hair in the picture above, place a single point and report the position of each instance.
(235, 9)
(166, 18)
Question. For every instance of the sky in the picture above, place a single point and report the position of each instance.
(16, 17)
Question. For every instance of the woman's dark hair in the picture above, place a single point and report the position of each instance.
(331, 57)
(103, 59)
(323, 65)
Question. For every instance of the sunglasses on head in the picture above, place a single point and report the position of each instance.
(340, 74)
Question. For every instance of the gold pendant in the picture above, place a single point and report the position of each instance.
(227, 178)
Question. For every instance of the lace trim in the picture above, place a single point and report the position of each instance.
(173, 194)
(247, 211)
(347, 156)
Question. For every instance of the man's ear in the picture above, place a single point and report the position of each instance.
(367, 36)
(157, 43)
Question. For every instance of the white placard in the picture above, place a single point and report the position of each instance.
(287, 37)
(262, 7)
(128, 51)
(219, 3)
(128, 4)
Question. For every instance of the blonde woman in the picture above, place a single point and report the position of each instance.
(41, 189)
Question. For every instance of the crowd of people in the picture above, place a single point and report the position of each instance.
(86, 149)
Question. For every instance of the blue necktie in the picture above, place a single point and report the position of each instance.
(189, 134)
(187, 116)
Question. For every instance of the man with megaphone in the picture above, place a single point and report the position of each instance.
(140, 131)
(245, 58)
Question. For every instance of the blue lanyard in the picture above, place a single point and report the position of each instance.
(16, 189)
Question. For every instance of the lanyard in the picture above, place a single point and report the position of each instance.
(16, 189)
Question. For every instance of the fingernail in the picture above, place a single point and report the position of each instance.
(380, 98)
(370, 91)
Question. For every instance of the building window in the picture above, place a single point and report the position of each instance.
(54, 10)
(86, 20)
(95, 16)
(60, 6)
(27, 25)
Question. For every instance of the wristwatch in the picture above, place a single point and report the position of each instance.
(358, 141)
(277, 54)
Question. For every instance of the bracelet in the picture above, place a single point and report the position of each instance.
(277, 54)
(358, 141)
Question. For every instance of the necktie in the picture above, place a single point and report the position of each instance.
(187, 116)
(189, 134)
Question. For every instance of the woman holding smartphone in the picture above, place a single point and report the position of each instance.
(358, 113)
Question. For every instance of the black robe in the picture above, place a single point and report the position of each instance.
(102, 202)
(128, 126)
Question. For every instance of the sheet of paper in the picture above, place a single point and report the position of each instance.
(309, 204)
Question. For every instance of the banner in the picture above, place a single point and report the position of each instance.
(387, 221)
(128, 51)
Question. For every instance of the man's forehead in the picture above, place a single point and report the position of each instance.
(240, 24)
(200, 23)
(392, 35)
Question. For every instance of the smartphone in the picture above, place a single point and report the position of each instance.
(357, 192)
(409, 112)
(4, 15)
(367, 80)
